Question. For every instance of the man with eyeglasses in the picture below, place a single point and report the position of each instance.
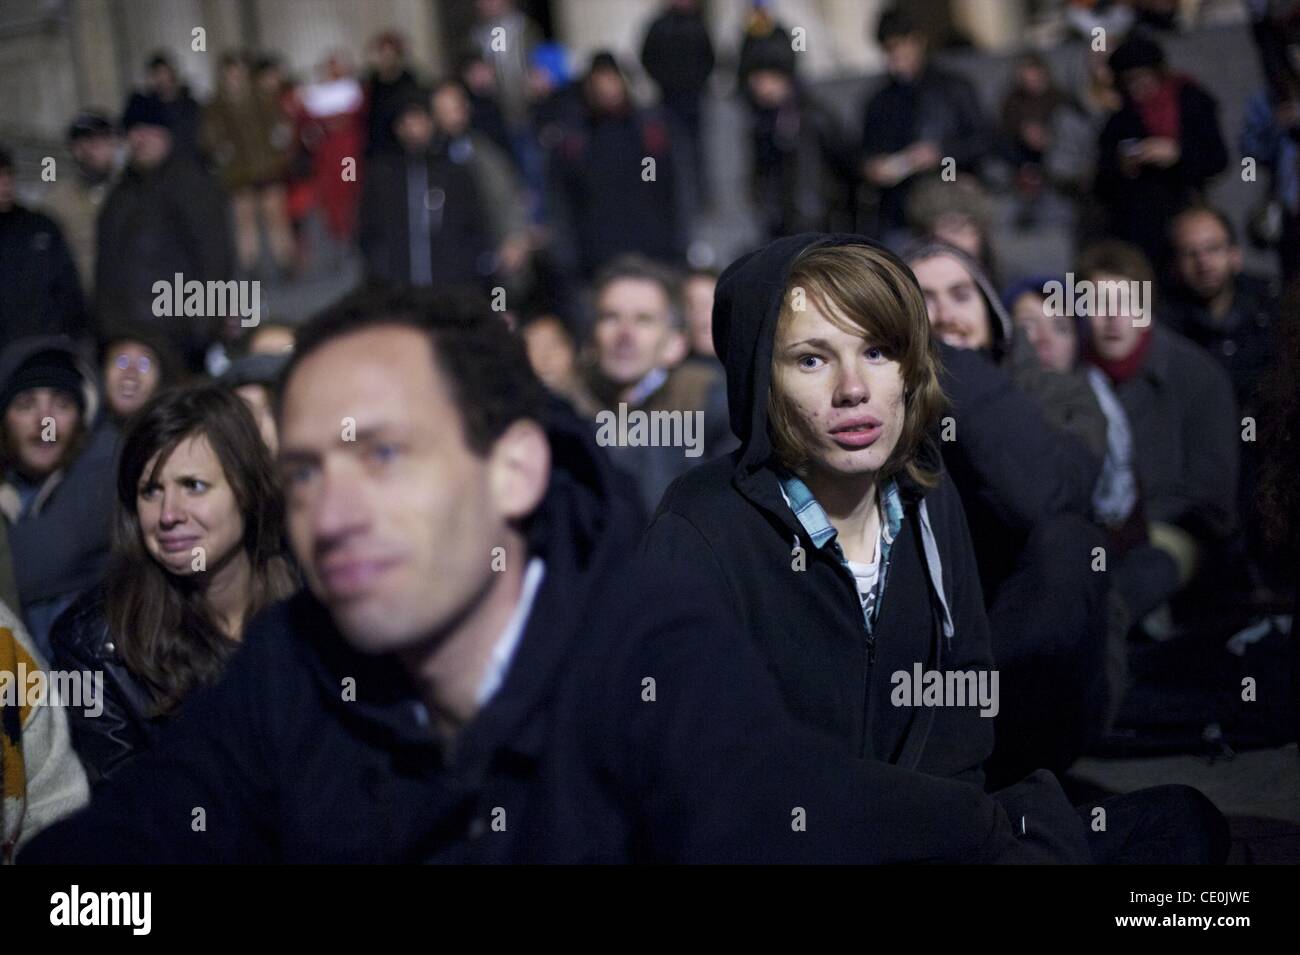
(1227, 311)
(135, 366)
(1231, 314)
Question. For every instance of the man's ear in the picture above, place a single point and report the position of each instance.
(1237, 259)
(519, 469)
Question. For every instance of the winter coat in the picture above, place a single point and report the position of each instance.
(1187, 437)
(1140, 208)
(155, 224)
(74, 204)
(1242, 342)
(60, 539)
(384, 100)
(460, 239)
(240, 136)
(939, 107)
(603, 202)
(81, 640)
(688, 388)
(41, 291)
(627, 728)
(678, 54)
(803, 167)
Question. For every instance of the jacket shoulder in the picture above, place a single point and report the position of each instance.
(702, 491)
(1192, 366)
(943, 505)
(82, 629)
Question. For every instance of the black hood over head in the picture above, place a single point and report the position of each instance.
(746, 306)
(1001, 330)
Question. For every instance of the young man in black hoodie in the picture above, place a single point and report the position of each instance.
(1024, 446)
(833, 534)
(480, 672)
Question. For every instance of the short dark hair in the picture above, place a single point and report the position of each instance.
(485, 364)
(634, 266)
(1113, 257)
(895, 23)
(541, 317)
(1207, 210)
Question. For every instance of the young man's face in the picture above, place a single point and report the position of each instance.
(388, 59)
(188, 508)
(1115, 333)
(391, 515)
(162, 81)
(607, 90)
(35, 415)
(95, 155)
(1204, 255)
(697, 298)
(150, 145)
(451, 110)
(905, 56)
(1141, 82)
(550, 351)
(958, 313)
(846, 394)
(634, 331)
(131, 376)
(1053, 336)
(414, 129)
(1032, 78)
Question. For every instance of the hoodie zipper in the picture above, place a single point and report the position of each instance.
(843, 570)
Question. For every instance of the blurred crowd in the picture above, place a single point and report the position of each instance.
(570, 205)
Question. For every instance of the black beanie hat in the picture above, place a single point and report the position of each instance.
(146, 110)
(45, 369)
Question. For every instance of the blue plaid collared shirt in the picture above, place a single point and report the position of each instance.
(800, 497)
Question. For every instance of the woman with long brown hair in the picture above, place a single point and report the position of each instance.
(197, 551)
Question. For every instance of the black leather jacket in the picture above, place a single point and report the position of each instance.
(80, 640)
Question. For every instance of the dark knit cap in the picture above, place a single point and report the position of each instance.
(146, 110)
(89, 123)
(45, 369)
